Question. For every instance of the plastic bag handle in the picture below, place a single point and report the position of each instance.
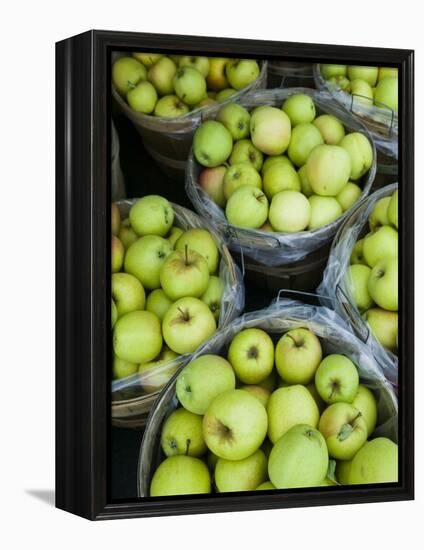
(360, 329)
(319, 298)
(374, 102)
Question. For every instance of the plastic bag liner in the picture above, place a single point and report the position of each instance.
(281, 316)
(172, 137)
(381, 121)
(232, 302)
(285, 74)
(335, 282)
(276, 249)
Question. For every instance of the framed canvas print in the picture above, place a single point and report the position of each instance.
(234, 275)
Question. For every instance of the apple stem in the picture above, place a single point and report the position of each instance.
(186, 253)
(187, 446)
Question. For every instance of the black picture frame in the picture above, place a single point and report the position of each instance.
(82, 274)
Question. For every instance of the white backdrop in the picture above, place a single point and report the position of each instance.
(29, 30)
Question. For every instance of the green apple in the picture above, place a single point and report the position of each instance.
(361, 92)
(260, 393)
(378, 216)
(216, 79)
(122, 369)
(344, 430)
(289, 212)
(280, 176)
(328, 71)
(212, 143)
(349, 195)
(357, 278)
(321, 404)
(212, 460)
(298, 459)
(270, 130)
(381, 244)
(202, 380)
(357, 256)
(115, 219)
(224, 94)
(114, 314)
(145, 257)
(155, 374)
(386, 93)
(199, 63)
(270, 161)
(342, 471)
(189, 85)
(200, 241)
(376, 462)
(236, 119)
(235, 425)
(331, 129)
(241, 72)
(369, 74)
(289, 406)
(297, 356)
(158, 303)
(118, 253)
(151, 215)
(328, 169)
(251, 354)
(324, 210)
(142, 98)
(337, 379)
(266, 486)
(161, 75)
(340, 83)
(247, 207)
(241, 475)
(127, 73)
(300, 109)
(128, 293)
(245, 151)
(184, 273)
(187, 324)
(127, 235)
(137, 337)
(366, 404)
(205, 102)
(304, 182)
(384, 325)
(180, 475)
(182, 434)
(170, 106)
(392, 210)
(304, 137)
(148, 59)
(213, 296)
(211, 180)
(360, 152)
(270, 382)
(174, 234)
(240, 174)
(387, 71)
(383, 284)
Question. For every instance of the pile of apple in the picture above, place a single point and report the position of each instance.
(177, 270)
(245, 424)
(373, 273)
(171, 86)
(310, 176)
(371, 85)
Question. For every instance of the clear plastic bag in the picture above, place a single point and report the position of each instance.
(287, 74)
(232, 305)
(276, 249)
(335, 282)
(281, 316)
(381, 121)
